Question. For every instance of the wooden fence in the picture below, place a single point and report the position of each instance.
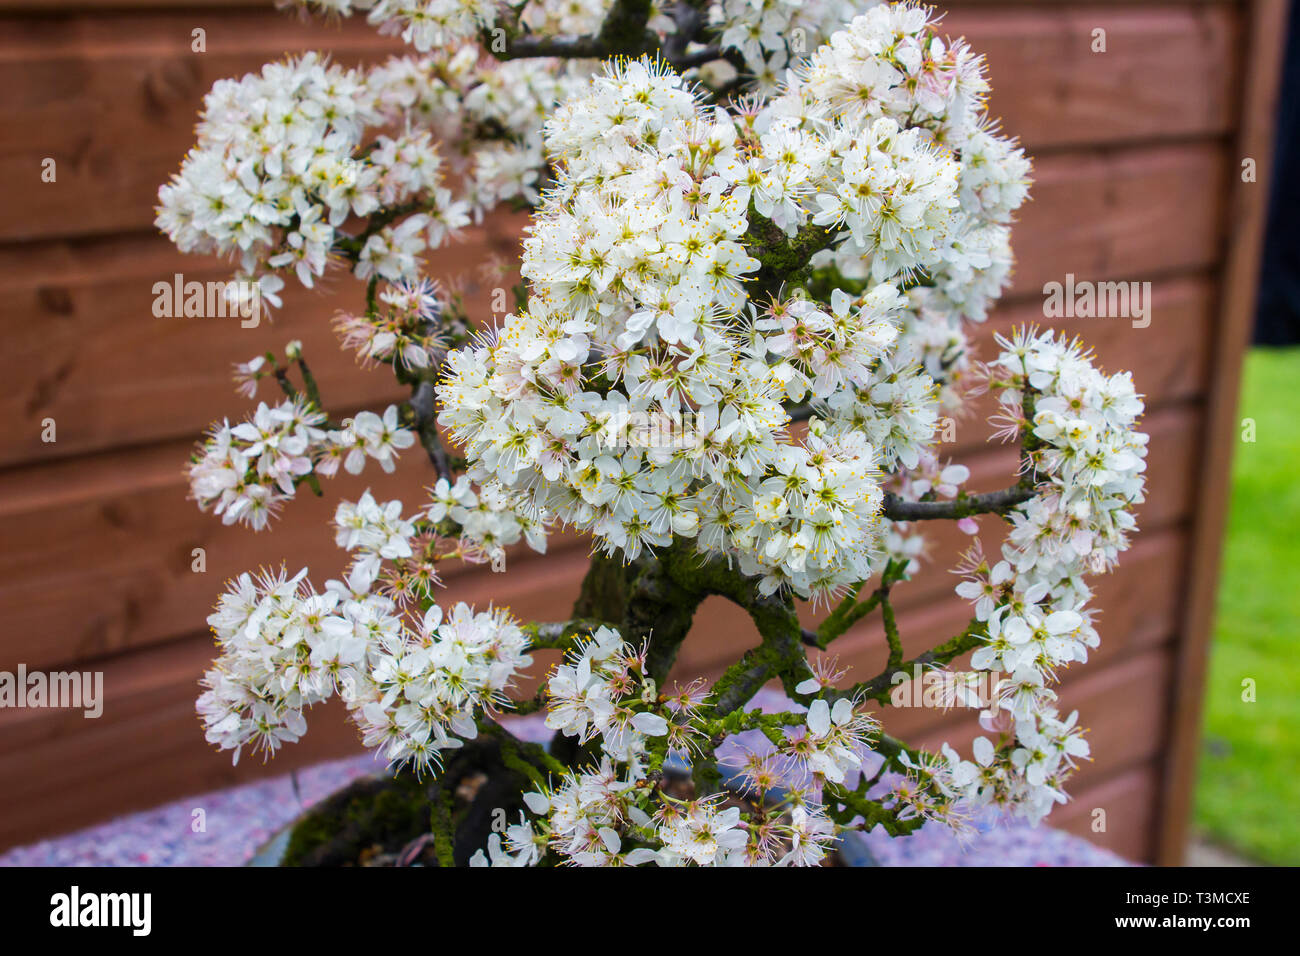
(1138, 154)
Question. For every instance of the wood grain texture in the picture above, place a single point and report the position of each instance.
(1123, 214)
(83, 346)
(1167, 72)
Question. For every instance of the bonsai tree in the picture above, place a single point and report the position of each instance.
(759, 232)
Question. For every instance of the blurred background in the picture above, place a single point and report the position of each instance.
(1248, 783)
(1140, 117)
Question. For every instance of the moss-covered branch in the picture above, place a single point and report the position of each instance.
(782, 259)
(963, 506)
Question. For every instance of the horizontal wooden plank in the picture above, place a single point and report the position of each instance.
(1167, 71)
(1128, 800)
(132, 552)
(113, 99)
(63, 771)
(1126, 214)
(1169, 359)
(84, 348)
(120, 6)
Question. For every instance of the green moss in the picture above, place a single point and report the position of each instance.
(389, 812)
(782, 259)
(624, 29)
(604, 590)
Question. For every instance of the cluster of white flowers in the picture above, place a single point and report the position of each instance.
(930, 338)
(617, 814)
(831, 744)
(375, 530)
(638, 305)
(402, 329)
(413, 691)
(273, 173)
(368, 435)
(1023, 773)
(402, 551)
(637, 266)
(283, 159)
(488, 114)
(829, 349)
(702, 270)
(245, 473)
(1090, 459)
(890, 64)
(422, 694)
(424, 24)
(771, 35)
(889, 190)
(569, 17)
(600, 690)
(487, 519)
(597, 690)
(603, 818)
(930, 479)
(278, 642)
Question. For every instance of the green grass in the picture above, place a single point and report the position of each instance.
(1248, 786)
